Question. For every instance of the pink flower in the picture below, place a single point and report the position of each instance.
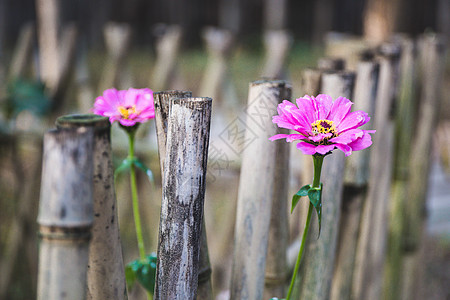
(323, 125)
(126, 106)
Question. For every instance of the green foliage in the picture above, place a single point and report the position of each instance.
(126, 164)
(315, 197)
(144, 271)
(27, 95)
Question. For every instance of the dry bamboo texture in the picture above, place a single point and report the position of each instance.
(105, 277)
(316, 270)
(256, 189)
(65, 214)
(432, 49)
(371, 252)
(184, 179)
(276, 273)
(163, 102)
(355, 185)
(277, 44)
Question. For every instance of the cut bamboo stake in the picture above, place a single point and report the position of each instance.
(277, 44)
(22, 52)
(331, 63)
(65, 214)
(432, 61)
(256, 192)
(276, 273)
(167, 49)
(355, 187)
(117, 40)
(183, 196)
(317, 268)
(163, 102)
(371, 248)
(404, 130)
(105, 277)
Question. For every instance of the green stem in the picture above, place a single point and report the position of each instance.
(318, 161)
(134, 196)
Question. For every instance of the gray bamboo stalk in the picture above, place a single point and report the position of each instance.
(404, 130)
(371, 250)
(167, 49)
(277, 44)
(317, 269)
(183, 196)
(22, 51)
(105, 276)
(432, 49)
(276, 274)
(256, 189)
(219, 45)
(163, 102)
(65, 214)
(355, 185)
(117, 40)
(331, 63)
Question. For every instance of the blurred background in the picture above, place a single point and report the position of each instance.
(57, 56)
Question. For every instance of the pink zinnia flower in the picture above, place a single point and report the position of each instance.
(126, 106)
(323, 125)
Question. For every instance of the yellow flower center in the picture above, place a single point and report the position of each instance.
(323, 126)
(127, 111)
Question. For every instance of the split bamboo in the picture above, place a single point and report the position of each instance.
(355, 185)
(163, 102)
(256, 189)
(371, 249)
(65, 214)
(105, 276)
(184, 179)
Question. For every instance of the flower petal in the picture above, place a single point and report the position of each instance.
(307, 108)
(324, 149)
(306, 148)
(363, 142)
(324, 104)
(341, 107)
(344, 148)
(352, 120)
(348, 136)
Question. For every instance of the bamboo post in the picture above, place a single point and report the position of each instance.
(167, 49)
(183, 195)
(105, 276)
(65, 214)
(404, 130)
(277, 44)
(117, 40)
(371, 250)
(331, 63)
(256, 189)
(355, 185)
(276, 273)
(432, 49)
(163, 102)
(317, 269)
(22, 51)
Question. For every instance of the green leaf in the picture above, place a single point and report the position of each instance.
(124, 166)
(315, 196)
(140, 165)
(303, 191)
(144, 271)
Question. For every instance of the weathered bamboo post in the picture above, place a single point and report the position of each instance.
(256, 192)
(163, 102)
(167, 49)
(355, 184)
(404, 130)
(22, 51)
(331, 63)
(184, 179)
(276, 273)
(317, 268)
(65, 214)
(277, 44)
(371, 250)
(117, 40)
(105, 277)
(432, 49)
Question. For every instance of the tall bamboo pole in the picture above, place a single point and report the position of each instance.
(183, 195)
(163, 102)
(256, 189)
(65, 214)
(105, 277)
(371, 248)
(355, 185)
